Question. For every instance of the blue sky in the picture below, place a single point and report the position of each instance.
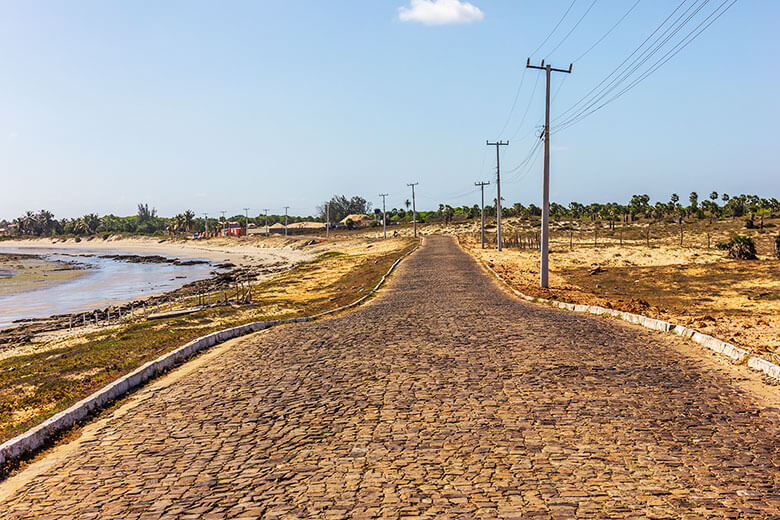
(220, 106)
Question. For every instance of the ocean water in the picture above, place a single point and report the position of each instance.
(106, 282)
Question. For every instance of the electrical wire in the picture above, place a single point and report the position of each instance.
(554, 28)
(616, 69)
(578, 58)
(573, 28)
(677, 48)
(527, 108)
(646, 55)
(514, 103)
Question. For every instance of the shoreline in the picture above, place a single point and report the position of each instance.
(242, 252)
(232, 262)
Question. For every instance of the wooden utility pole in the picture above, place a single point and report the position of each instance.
(206, 222)
(265, 222)
(384, 216)
(285, 219)
(414, 208)
(246, 222)
(224, 222)
(543, 276)
(482, 185)
(498, 144)
(327, 220)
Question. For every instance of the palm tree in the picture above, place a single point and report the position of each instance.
(177, 223)
(693, 198)
(91, 223)
(189, 219)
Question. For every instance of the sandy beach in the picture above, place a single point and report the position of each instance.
(252, 252)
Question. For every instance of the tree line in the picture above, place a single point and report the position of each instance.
(144, 222)
(638, 207)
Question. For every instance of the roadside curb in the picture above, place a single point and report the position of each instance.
(737, 354)
(37, 436)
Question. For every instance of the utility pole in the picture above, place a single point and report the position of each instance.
(265, 222)
(224, 222)
(498, 144)
(543, 282)
(414, 208)
(206, 222)
(482, 189)
(327, 220)
(384, 216)
(285, 219)
(246, 223)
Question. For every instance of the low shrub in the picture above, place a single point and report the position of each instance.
(740, 247)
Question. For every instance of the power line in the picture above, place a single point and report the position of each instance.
(616, 69)
(556, 27)
(573, 28)
(514, 104)
(676, 49)
(527, 108)
(647, 54)
(578, 58)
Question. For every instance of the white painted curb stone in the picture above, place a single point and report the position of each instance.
(37, 436)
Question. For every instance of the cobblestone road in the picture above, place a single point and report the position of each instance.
(444, 397)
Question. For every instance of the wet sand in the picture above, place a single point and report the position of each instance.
(20, 273)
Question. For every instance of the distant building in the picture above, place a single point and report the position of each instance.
(232, 229)
(9, 230)
(303, 227)
(255, 230)
(358, 220)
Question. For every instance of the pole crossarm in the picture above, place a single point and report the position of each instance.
(544, 67)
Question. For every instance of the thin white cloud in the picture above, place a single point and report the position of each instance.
(440, 12)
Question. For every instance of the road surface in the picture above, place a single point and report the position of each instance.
(443, 397)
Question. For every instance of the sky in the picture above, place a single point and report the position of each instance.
(215, 106)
